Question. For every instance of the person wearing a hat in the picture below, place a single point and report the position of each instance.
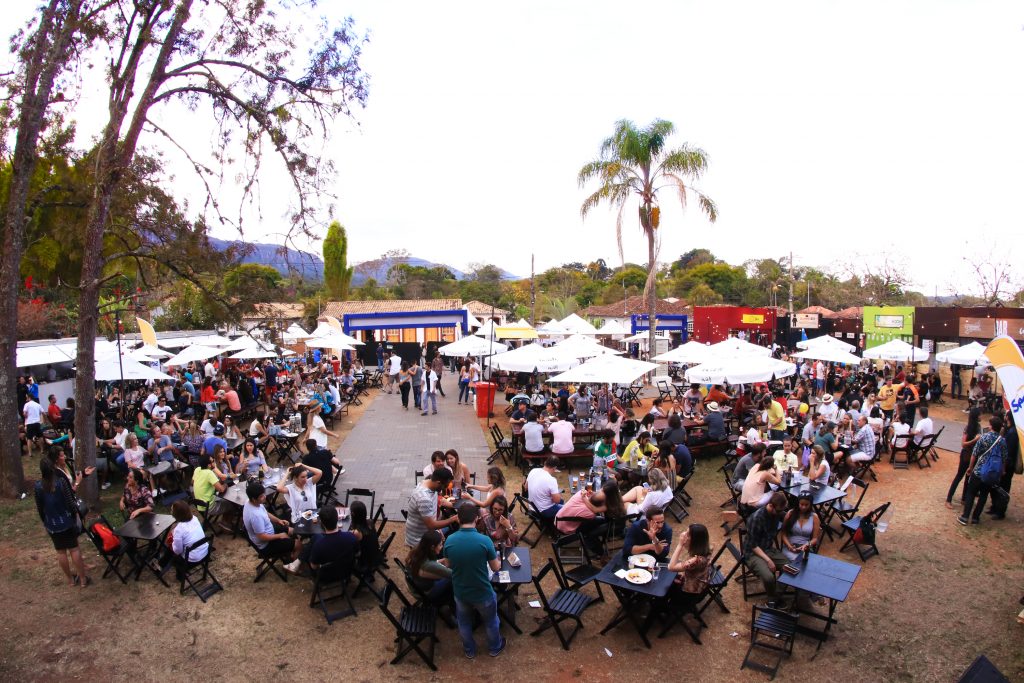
(211, 442)
(828, 408)
(640, 446)
(714, 421)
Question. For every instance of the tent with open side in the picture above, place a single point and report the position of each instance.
(897, 350)
(826, 341)
(745, 369)
(606, 370)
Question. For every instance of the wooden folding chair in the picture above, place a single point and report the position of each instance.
(330, 584)
(772, 631)
(414, 626)
(207, 584)
(862, 540)
(566, 604)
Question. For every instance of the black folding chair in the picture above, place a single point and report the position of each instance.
(565, 604)
(330, 584)
(901, 443)
(717, 581)
(862, 532)
(413, 625)
(664, 390)
(543, 524)
(680, 499)
(502, 446)
(843, 508)
(918, 452)
(366, 575)
(361, 493)
(206, 584)
(772, 631)
(583, 571)
(113, 558)
(380, 520)
(747, 575)
(678, 606)
(268, 562)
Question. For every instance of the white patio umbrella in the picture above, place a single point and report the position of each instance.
(472, 346)
(829, 354)
(242, 343)
(826, 341)
(534, 357)
(969, 354)
(190, 354)
(332, 341)
(329, 331)
(606, 370)
(641, 338)
(577, 325)
(254, 353)
(108, 370)
(522, 322)
(46, 354)
(896, 349)
(689, 353)
(612, 327)
(734, 347)
(583, 347)
(742, 370)
(152, 351)
(552, 328)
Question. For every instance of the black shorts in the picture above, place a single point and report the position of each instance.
(34, 431)
(65, 540)
(280, 547)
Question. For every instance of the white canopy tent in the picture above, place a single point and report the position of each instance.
(194, 353)
(577, 325)
(897, 349)
(108, 370)
(152, 351)
(583, 347)
(641, 338)
(335, 342)
(972, 354)
(45, 354)
(552, 328)
(612, 328)
(826, 341)
(828, 354)
(606, 370)
(325, 330)
(294, 334)
(742, 370)
(472, 346)
(689, 353)
(734, 347)
(534, 357)
(254, 353)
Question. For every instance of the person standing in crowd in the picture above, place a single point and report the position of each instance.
(394, 370)
(416, 376)
(57, 508)
(437, 365)
(380, 357)
(1002, 500)
(431, 385)
(990, 445)
(33, 415)
(470, 555)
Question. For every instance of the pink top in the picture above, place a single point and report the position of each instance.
(574, 507)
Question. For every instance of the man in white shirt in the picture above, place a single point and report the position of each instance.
(543, 488)
(161, 410)
(150, 402)
(561, 435)
(33, 413)
(924, 427)
(209, 370)
(533, 435)
(394, 367)
(819, 377)
(209, 425)
(828, 409)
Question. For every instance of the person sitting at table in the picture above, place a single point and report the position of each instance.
(801, 528)
(299, 489)
(206, 485)
(187, 530)
(423, 506)
(826, 438)
(863, 442)
(429, 571)
(604, 450)
(690, 561)
(494, 487)
(580, 515)
(786, 457)
(137, 497)
(628, 430)
(819, 470)
(460, 471)
(745, 463)
(500, 524)
(675, 432)
(649, 535)
(336, 547)
(316, 428)
(273, 536)
(213, 441)
(656, 410)
(674, 462)
(759, 551)
(718, 395)
(134, 455)
(755, 492)
(222, 465)
(533, 436)
(521, 413)
(550, 412)
(542, 488)
(640, 447)
(251, 461)
(714, 421)
(192, 439)
(437, 461)
(561, 435)
(676, 408)
(369, 555)
(231, 433)
(325, 461)
(693, 400)
(658, 494)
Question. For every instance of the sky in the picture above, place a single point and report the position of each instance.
(845, 132)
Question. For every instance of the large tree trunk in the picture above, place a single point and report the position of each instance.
(651, 292)
(45, 60)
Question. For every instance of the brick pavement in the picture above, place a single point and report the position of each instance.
(388, 444)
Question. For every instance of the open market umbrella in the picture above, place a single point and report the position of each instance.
(108, 370)
(690, 352)
(534, 357)
(577, 325)
(895, 350)
(734, 347)
(584, 347)
(969, 354)
(742, 370)
(613, 327)
(826, 341)
(829, 355)
(472, 346)
(191, 354)
(606, 370)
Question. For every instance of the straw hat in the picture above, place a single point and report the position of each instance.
(827, 398)
(712, 406)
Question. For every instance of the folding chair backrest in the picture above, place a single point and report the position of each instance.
(877, 513)
(361, 493)
(862, 486)
(380, 520)
(734, 551)
(537, 580)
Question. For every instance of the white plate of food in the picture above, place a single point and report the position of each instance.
(642, 561)
(638, 576)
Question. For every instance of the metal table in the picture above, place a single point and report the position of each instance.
(827, 577)
(633, 597)
(508, 592)
(150, 529)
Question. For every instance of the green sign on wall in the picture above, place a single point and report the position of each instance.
(885, 323)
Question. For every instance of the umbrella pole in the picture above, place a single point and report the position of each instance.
(120, 367)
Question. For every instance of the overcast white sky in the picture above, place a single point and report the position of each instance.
(875, 127)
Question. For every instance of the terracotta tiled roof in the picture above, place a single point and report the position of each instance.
(337, 309)
(275, 311)
(480, 309)
(817, 309)
(635, 305)
(853, 312)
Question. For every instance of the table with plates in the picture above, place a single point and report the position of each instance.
(825, 576)
(633, 597)
(507, 592)
(823, 496)
(236, 495)
(148, 531)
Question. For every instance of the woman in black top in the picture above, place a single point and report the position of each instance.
(369, 545)
(56, 504)
(972, 432)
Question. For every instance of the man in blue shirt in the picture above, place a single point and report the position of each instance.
(470, 554)
(649, 536)
(211, 441)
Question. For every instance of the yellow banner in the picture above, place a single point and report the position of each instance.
(148, 333)
(1005, 356)
(752, 319)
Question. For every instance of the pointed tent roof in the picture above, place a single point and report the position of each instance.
(577, 325)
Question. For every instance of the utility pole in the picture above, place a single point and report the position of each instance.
(792, 316)
(533, 296)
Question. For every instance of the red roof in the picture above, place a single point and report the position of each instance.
(850, 313)
(821, 310)
(635, 305)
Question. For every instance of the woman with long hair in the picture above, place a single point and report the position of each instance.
(370, 555)
(801, 528)
(57, 508)
(137, 498)
(430, 573)
(251, 460)
(494, 487)
(499, 523)
(970, 436)
(404, 384)
(460, 470)
(819, 470)
(464, 382)
(299, 488)
(690, 561)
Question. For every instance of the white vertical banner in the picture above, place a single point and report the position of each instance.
(1004, 354)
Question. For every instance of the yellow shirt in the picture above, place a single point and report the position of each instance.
(887, 396)
(776, 416)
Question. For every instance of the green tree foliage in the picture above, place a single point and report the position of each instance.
(252, 282)
(483, 283)
(337, 272)
(693, 258)
(420, 282)
(191, 309)
(729, 282)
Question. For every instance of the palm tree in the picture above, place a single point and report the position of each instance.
(634, 162)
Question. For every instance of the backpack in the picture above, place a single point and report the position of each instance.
(108, 539)
(865, 534)
(992, 468)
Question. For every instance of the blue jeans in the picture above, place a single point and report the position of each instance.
(488, 612)
(550, 512)
(463, 391)
(432, 399)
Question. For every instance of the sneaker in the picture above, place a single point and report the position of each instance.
(293, 567)
(341, 471)
(500, 649)
(105, 486)
(423, 414)
(470, 655)
(434, 413)
(975, 521)
(962, 520)
(997, 515)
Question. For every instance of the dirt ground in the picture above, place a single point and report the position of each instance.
(938, 595)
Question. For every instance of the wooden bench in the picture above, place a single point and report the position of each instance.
(708, 449)
(529, 461)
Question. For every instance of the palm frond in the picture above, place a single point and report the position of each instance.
(680, 186)
(686, 160)
(708, 206)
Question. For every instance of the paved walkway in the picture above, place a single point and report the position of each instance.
(388, 445)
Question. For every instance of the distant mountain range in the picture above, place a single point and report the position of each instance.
(290, 262)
